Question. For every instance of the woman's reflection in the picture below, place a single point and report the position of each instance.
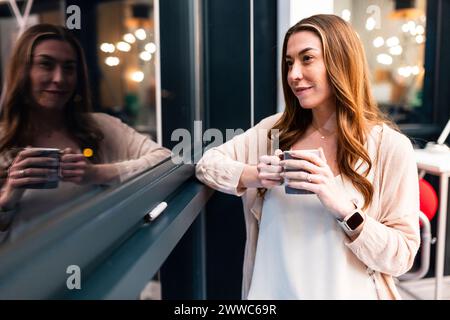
(47, 105)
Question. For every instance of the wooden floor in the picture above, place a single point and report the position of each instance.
(423, 289)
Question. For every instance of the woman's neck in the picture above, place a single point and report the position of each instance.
(46, 121)
(324, 119)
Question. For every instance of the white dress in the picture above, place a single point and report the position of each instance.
(301, 252)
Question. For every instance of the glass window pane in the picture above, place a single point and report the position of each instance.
(126, 49)
(393, 35)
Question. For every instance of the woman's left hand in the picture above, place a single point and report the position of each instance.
(319, 179)
(76, 168)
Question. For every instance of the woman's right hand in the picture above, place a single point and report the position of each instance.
(269, 170)
(23, 171)
(265, 175)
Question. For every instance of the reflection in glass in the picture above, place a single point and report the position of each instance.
(47, 105)
(126, 57)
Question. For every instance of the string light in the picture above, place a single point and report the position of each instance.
(396, 51)
(140, 34)
(107, 47)
(123, 46)
(145, 55)
(346, 15)
(384, 58)
(370, 23)
(137, 76)
(112, 61)
(150, 47)
(420, 39)
(392, 42)
(129, 38)
(420, 29)
(378, 42)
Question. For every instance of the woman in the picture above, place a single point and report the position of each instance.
(47, 104)
(359, 228)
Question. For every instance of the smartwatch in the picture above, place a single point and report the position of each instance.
(352, 221)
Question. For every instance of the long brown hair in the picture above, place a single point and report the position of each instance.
(356, 109)
(15, 112)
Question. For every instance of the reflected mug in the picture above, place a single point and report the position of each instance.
(289, 190)
(53, 179)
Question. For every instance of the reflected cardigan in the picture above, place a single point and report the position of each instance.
(390, 236)
(130, 151)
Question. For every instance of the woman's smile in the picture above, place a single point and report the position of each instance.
(302, 91)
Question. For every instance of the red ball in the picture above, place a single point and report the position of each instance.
(428, 199)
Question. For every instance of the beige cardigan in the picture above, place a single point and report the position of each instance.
(390, 236)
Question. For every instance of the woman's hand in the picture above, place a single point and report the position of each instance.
(24, 171)
(269, 170)
(76, 168)
(318, 179)
(265, 175)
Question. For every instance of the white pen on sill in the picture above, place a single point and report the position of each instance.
(156, 211)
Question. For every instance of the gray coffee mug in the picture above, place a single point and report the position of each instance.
(53, 181)
(290, 190)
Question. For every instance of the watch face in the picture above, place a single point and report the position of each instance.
(355, 221)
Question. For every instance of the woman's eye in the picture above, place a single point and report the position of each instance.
(45, 64)
(289, 63)
(69, 68)
(307, 58)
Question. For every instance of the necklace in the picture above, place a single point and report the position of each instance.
(322, 136)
